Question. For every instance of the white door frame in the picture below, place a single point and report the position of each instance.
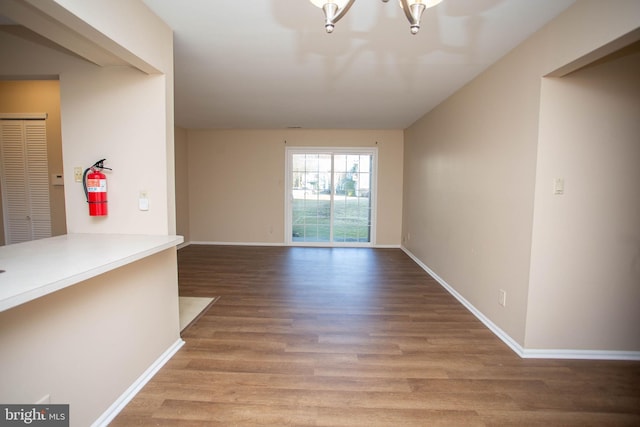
(288, 197)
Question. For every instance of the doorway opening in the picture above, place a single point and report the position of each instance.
(32, 198)
(24, 179)
(331, 196)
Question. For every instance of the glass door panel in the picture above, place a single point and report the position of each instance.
(352, 198)
(331, 197)
(311, 198)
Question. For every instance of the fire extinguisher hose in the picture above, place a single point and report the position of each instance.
(84, 184)
(97, 165)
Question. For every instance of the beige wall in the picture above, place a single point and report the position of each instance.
(123, 118)
(584, 291)
(470, 166)
(236, 181)
(469, 181)
(41, 96)
(182, 183)
(125, 28)
(113, 112)
(84, 345)
(117, 113)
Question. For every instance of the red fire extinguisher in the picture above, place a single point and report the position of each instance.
(95, 188)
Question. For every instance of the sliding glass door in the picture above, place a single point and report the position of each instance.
(330, 196)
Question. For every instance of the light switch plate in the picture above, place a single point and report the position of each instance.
(143, 201)
(558, 186)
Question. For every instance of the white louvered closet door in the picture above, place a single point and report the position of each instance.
(25, 180)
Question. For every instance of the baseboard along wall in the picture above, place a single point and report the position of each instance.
(125, 398)
(513, 344)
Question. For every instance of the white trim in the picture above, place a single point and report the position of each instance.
(580, 354)
(373, 193)
(23, 116)
(183, 245)
(332, 244)
(515, 346)
(137, 385)
(235, 243)
(195, 242)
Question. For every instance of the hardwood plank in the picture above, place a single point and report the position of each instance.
(358, 337)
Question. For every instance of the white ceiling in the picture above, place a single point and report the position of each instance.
(265, 64)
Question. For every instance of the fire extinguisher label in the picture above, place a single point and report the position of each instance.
(96, 185)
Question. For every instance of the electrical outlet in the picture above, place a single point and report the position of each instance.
(143, 200)
(77, 174)
(502, 297)
(558, 186)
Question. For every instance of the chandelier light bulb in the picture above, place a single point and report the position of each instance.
(334, 10)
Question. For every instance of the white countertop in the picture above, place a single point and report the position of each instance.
(37, 268)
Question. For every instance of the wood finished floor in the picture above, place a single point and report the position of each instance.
(358, 337)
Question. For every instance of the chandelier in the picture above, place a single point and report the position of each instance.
(336, 9)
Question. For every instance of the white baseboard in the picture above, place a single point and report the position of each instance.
(235, 243)
(580, 354)
(517, 348)
(137, 385)
(514, 345)
(277, 244)
(183, 245)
